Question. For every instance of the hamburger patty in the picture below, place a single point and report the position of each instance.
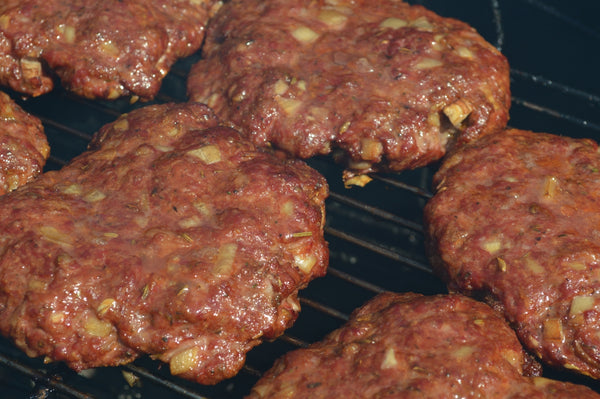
(98, 49)
(23, 145)
(172, 236)
(413, 346)
(386, 85)
(515, 221)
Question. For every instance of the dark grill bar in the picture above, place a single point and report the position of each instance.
(375, 233)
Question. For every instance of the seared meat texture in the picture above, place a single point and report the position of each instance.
(98, 49)
(413, 346)
(23, 145)
(385, 85)
(172, 236)
(515, 221)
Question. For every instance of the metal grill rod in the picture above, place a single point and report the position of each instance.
(41, 378)
(560, 15)
(556, 114)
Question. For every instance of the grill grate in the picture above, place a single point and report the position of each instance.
(375, 233)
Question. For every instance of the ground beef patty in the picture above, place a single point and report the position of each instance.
(172, 236)
(516, 221)
(23, 145)
(98, 49)
(414, 346)
(388, 85)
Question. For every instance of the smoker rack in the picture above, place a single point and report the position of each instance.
(375, 233)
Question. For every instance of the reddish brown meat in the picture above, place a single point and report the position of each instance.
(515, 221)
(413, 346)
(23, 145)
(172, 236)
(388, 85)
(98, 49)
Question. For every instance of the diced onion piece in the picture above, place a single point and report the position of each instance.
(202, 207)
(305, 262)
(577, 266)
(422, 23)
(332, 18)
(427, 63)
(433, 119)
(163, 148)
(109, 48)
(7, 112)
(512, 357)
(370, 149)
(121, 124)
(174, 132)
(581, 303)
(290, 106)
(184, 361)
(52, 234)
(95, 196)
(344, 127)
(464, 52)
(301, 84)
(463, 352)
(97, 327)
(553, 329)
(37, 285)
(359, 180)
(261, 390)
(105, 305)
(74, 189)
(4, 21)
(208, 154)
(501, 264)
(225, 258)
(479, 322)
(132, 379)
(304, 34)
(211, 101)
(280, 87)
(57, 317)
(393, 23)
(141, 221)
(534, 266)
(114, 92)
(68, 32)
(239, 96)
(541, 382)
(287, 208)
(550, 187)
(144, 150)
(13, 182)
(458, 111)
(31, 69)
(492, 246)
(389, 359)
(190, 222)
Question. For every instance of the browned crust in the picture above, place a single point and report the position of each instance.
(24, 148)
(515, 221)
(388, 85)
(413, 346)
(172, 236)
(98, 49)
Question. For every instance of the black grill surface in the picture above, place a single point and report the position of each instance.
(374, 233)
